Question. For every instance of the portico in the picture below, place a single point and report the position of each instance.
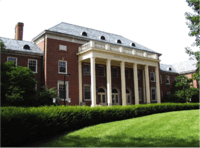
(111, 55)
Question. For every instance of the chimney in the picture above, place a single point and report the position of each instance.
(19, 31)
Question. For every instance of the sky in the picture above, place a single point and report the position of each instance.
(159, 25)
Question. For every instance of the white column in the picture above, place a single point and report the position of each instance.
(93, 81)
(136, 84)
(123, 83)
(157, 85)
(109, 92)
(144, 90)
(80, 82)
(147, 83)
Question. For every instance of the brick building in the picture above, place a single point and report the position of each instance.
(104, 68)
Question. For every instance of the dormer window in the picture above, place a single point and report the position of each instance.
(119, 41)
(102, 38)
(27, 47)
(169, 68)
(133, 44)
(84, 33)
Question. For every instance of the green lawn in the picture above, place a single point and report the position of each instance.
(172, 129)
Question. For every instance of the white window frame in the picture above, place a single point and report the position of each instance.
(59, 67)
(63, 47)
(103, 71)
(87, 85)
(166, 79)
(84, 69)
(36, 64)
(152, 94)
(66, 88)
(160, 79)
(140, 93)
(153, 76)
(12, 57)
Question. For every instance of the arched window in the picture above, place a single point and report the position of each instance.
(102, 38)
(27, 47)
(169, 68)
(101, 90)
(114, 91)
(127, 91)
(133, 44)
(119, 41)
(84, 33)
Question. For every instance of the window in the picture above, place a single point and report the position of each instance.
(102, 38)
(12, 59)
(174, 78)
(87, 92)
(153, 94)
(133, 44)
(63, 47)
(32, 64)
(62, 67)
(160, 79)
(101, 71)
(84, 34)
(167, 80)
(86, 69)
(119, 41)
(138, 73)
(140, 93)
(161, 94)
(61, 92)
(27, 47)
(127, 73)
(114, 72)
(152, 76)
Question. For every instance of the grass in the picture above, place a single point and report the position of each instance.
(172, 129)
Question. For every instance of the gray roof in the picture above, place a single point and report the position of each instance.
(95, 35)
(181, 67)
(17, 45)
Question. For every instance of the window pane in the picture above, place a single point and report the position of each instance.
(61, 91)
(62, 66)
(99, 98)
(114, 72)
(116, 98)
(104, 99)
(12, 59)
(101, 71)
(87, 92)
(126, 74)
(86, 69)
(32, 65)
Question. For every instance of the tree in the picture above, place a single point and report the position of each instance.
(2, 47)
(17, 85)
(182, 90)
(194, 25)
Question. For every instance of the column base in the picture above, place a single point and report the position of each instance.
(109, 104)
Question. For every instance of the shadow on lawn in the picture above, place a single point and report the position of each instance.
(123, 141)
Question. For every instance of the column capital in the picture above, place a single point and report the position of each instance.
(108, 60)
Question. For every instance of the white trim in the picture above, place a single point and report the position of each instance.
(88, 85)
(36, 64)
(155, 94)
(67, 88)
(153, 76)
(59, 67)
(12, 57)
(63, 47)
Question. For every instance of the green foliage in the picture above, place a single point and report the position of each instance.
(46, 96)
(20, 125)
(2, 47)
(17, 85)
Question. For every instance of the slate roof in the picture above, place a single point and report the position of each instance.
(181, 67)
(17, 45)
(95, 35)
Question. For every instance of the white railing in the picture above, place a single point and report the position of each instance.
(117, 49)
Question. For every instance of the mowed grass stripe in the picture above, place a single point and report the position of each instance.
(171, 129)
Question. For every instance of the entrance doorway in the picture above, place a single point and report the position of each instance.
(115, 97)
(102, 97)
